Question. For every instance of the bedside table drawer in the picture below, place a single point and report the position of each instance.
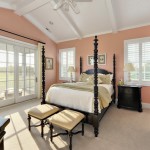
(126, 90)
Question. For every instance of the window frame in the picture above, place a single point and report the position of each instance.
(132, 41)
(66, 50)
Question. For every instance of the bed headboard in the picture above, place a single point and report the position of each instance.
(102, 71)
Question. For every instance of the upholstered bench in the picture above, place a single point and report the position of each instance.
(41, 112)
(67, 120)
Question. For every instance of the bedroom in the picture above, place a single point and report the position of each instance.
(127, 23)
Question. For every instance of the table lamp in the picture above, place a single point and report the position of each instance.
(128, 68)
(71, 69)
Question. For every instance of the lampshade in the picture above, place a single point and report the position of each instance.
(129, 67)
(71, 69)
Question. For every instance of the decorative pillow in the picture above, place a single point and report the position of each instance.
(91, 80)
(106, 79)
(111, 77)
(84, 77)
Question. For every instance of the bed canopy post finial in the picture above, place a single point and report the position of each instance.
(43, 75)
(114, 76)
(95, 117)
(80, 64)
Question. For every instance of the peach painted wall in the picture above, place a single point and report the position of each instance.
(19, 25)
(109, 44)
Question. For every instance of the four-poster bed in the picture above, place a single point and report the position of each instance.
(95, 116)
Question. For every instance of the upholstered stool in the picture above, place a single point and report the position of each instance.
(67, 120)
(41, 112)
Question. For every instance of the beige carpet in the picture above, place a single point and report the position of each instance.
(120, 129)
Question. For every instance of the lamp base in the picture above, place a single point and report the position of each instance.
(129, 83)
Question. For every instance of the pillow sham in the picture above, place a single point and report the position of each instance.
(84, 77)
(106, 79)
(91, 80)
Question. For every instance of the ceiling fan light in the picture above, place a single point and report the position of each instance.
(65, 4)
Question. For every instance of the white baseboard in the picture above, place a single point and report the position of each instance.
(146, 105)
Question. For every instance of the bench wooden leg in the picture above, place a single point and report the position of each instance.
(29, 125)
(51, 130)
(42, 128)
(70, 136)
(82, 127)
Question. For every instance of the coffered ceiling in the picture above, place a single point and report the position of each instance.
(96, 17)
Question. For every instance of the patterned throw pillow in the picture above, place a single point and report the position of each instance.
(106, 79)
(91, 80)
(84, 77)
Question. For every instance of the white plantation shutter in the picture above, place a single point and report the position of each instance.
(66, 59)
(133, 57)
(146, 61)
(137, 52)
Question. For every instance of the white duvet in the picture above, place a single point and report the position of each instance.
(80, 100)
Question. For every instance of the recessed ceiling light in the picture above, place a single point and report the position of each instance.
(47, 29)
(51, 23)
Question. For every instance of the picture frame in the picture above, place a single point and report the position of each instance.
(90, 60)
(102, 59)
(48, 63)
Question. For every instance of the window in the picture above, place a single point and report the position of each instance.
(137, 52)
(66, 59)
(17, 71)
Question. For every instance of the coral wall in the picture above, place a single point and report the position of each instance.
(19, 25)
(110, 44)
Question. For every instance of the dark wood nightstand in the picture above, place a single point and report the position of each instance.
(130, 97)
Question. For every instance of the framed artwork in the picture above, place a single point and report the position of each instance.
(48, 63)
(102, 59)
(90, 60)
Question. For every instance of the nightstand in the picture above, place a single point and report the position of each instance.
(130, 97)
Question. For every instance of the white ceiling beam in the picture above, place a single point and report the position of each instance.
(112, 17)
(31, 6)
(68, 20)
(39, 26)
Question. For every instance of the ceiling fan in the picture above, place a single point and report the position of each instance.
(65, 4)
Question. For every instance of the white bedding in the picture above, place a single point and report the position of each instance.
(81, 100)
(109, 87)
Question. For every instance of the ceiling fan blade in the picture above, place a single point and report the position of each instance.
(58, 5)
(74, 7)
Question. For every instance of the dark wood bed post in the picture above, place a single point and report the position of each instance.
(43, 75)
(80, 65)
(114, 77)
(95, 117)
